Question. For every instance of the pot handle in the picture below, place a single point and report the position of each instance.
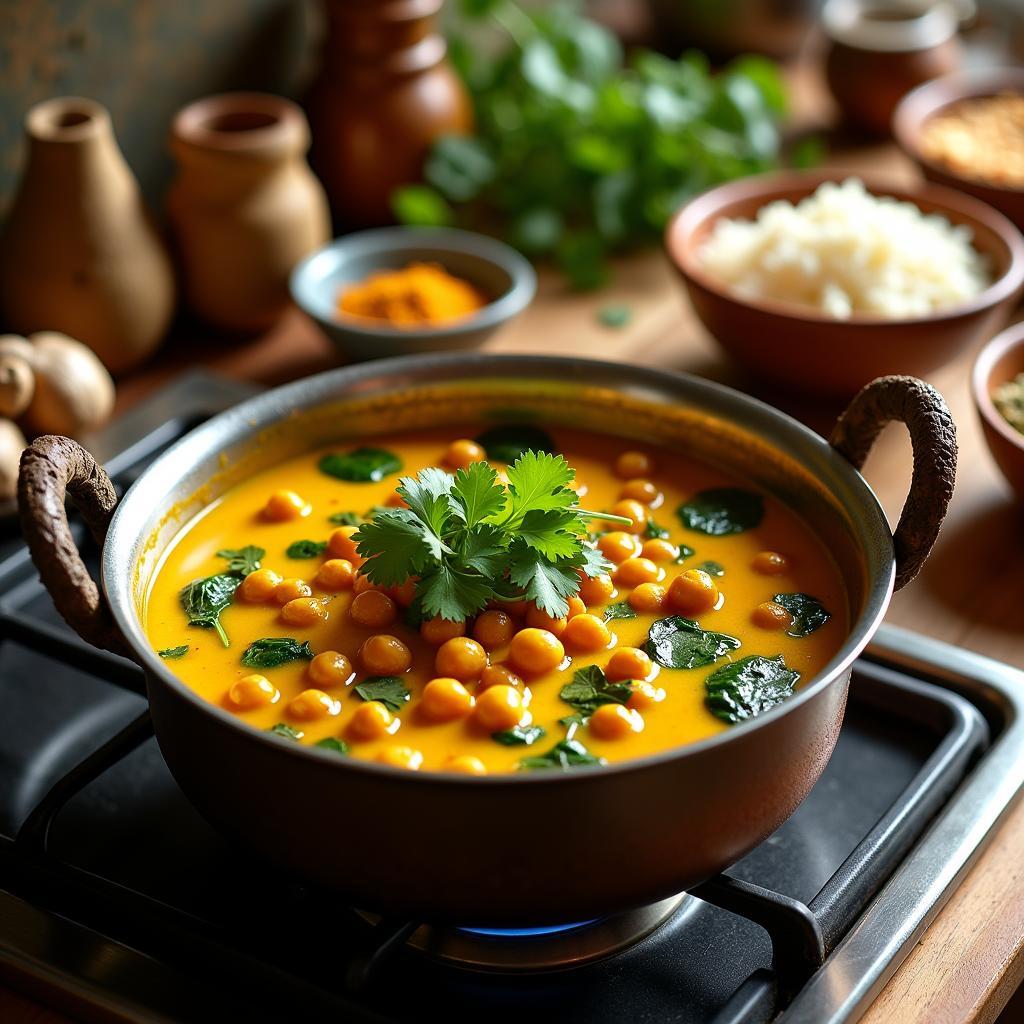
(933, 436)
(54, 468)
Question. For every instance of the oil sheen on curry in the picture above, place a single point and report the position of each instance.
(495, 601)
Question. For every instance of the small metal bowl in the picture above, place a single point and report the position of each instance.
(493, 267)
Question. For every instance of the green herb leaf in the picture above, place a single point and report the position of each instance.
(452, 594)
(622, 610)
(306, 548)
(477, 493)
(547, 585)
(722, 510)
(506, 443)
(203, 601)
(286, 732)
(173, 653)
(361, 465)
(421, 206)
(271, 651)
(676, 642)
(808, 613)
(389, 690)
(538, 482)
(565, 754)
(712, 568)
(332, 744)
(685, 552)
(242, 560)
(745, 688)
(615, 316)
(590, 688)
(519, 735)
(344, 519)
(654, 531)
(396, 544)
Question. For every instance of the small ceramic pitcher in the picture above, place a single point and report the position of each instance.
(244, 208)
(79, 253)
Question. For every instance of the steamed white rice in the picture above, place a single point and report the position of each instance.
(844, 251)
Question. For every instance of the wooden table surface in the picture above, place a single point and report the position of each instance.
(970, 593)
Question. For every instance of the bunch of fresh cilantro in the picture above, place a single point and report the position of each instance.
(575, 155)
(470, 540)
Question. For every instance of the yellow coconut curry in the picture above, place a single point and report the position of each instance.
(501, 601)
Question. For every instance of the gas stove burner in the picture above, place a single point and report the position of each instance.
(536, 950)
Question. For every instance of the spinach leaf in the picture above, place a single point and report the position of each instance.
(621, 610)
(272, 651)
(721, 511)
(285, 731)
(808, 613)
(506, 443)
(745, 688)
(685, 552)
(242, 560)
(204, 600)
(306, 548)
(712, 568)
(172, 653)
(590, 688)
(389, 690)
(654, 531)
(344, 519)
(337, 746)
(519, 735)
(361, 465)
(565, 754)
(676, 642)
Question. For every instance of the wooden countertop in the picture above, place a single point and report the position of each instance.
(970, 593)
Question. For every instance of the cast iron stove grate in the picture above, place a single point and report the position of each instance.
(114, 892)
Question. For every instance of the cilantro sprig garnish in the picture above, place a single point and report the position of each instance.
(468, 539)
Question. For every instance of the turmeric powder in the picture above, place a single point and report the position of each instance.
(417, 295)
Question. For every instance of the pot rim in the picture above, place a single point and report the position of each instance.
(257, 413)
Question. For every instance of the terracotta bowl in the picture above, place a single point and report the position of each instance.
(999, 361)
(935, 96)
(801, 349)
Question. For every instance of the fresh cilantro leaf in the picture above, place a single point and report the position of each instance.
(344, 519)
(654, 531)
(396, 544)
(676, 642)
(550, 532)
(565, 754)
(335, 745)
(808, 613)
(482, 551)
(548, 585)
(452, 594)
(361, 465)
(519, 735)
(538, 481)
(685, 552)
(203, 601)
(242, 560)
(592, 562)
(271, 651)
(722, 510)
(622, 610)
(508, 442)
(429, 497)
(306, 548)
(285, 731)
(173, 653)
(478, 495)
(745, 688)
(388, 690)
(590, 688)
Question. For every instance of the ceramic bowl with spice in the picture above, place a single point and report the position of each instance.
(967, 131)
(997, 383)
(400, 291)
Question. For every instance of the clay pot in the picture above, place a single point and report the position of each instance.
(385, 93)
(79, 253)
(244, 208)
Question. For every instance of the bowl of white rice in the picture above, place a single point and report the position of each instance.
(821, 282)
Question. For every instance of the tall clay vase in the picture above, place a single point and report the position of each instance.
(244, 208)
(79, 253)
(385, 92)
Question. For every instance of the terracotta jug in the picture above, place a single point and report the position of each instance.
(385, 92)
(244, 208)
(78, 253)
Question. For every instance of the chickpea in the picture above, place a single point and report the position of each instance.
(769, 563)
(493, 629)
(371, 721)
(304, 612)
(361, 583)
(253, 691)
(374, 609)
(659, 550)
(460, 658)
(401, 757)
(341, 545)
(498, 675)
(405, 593)
(463, 453)
(615, 721)
(628, 663)
(517, 609)
(284, 506)
(541, 620)
(577, 606)
(597, 589)
(291, 589)
(437, 631)
(632, 464)
(618, 545)
(634, 571)
(330, 668)
(312, 704)
(631, 510)
(445, 700)
(648, 597)
(336, 574)
(693, 592)
(535, 651)
(641, 490)
(465, 764)
(645, 695)
(587, 633)
(498, 708)
(258, 587)
(385, 655)
(770, 615)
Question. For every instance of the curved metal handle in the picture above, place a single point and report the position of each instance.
(53, 468)
(933, 436)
